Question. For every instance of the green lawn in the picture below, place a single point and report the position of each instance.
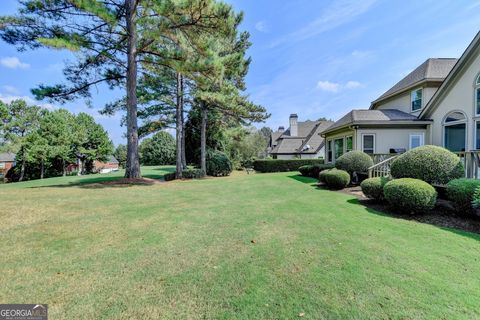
(261, 246)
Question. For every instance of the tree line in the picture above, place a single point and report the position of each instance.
(175, 60)
(48, 141)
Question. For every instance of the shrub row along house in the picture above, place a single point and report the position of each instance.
(438, 103)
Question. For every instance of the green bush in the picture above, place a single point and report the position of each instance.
(373, 187)
(461, 191)
(432, 164)
(218, 164)
(275, 165)
(410, 195)
(354, 161)
(336, 179)
(193, 173)
(169, 176)
(476, 199)
(322, 174)
(313, 170)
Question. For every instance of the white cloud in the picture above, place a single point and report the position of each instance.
(9, 98)
(328, 86)
(261, 26)
(13, 63)
(353, 85)
(338, 13)
(10, 89)
(337, 87)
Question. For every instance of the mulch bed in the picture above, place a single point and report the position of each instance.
(443, 215)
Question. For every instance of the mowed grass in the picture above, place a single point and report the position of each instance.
(261, 246)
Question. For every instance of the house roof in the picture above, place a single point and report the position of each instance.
(433, 69)
(275, 136)
(363, 116)
(452, 76)
(308, 134)
(112, 159)
(7, 157)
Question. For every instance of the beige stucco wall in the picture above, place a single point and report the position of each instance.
(402, 101)
(460, 97)
(341, 134)
(389, 138)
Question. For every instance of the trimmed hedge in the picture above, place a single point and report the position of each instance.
(191, 173)
(432, 164)
(314, 170)
(410, 195)
(354, 161)
(336, 179)
(322, 175)
(476, 199)
(461, 193)
(373, 187)
(218, 164)
(275, 165)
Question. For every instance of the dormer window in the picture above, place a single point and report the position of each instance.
(477, 95)
(416, 100)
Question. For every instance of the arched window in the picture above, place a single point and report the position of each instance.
(455, 130)
(477, 95)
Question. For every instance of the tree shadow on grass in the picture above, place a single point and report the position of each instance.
(304, 179)
(439, 217)
(101, 182)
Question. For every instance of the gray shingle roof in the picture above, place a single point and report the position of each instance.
(7, 157)
(308, 134)
(431, 69)
(362, 115)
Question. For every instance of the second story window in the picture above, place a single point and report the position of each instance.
(416, 99)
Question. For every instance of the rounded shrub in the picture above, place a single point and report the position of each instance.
(336, 179)
(373, 187)
(354, 161)
(410, 195)
(322, 174)
(432, 164)
(461, 193)
(218, 164)
(193, 173)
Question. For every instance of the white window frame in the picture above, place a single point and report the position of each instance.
(329, 148)
(421, 100)
(335, 148)
(451, 123)
(476, 86)
(2, 165)
(475, 130)
(374, 141)
(345, 143)
(419, 134)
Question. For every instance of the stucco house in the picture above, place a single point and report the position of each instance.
(301, 140)
(437, 103)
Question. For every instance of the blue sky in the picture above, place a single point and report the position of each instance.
(313, 58)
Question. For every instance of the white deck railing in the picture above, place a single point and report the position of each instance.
(382, 168)
(471, 162)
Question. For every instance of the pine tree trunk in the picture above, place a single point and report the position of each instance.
(22, 169)
(184, 156)
(132, 169)
(42, 168)
(64, 168)
(179, 129)
(203, 140)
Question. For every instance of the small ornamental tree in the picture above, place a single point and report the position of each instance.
(158, 150)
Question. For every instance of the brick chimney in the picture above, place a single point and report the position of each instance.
(293, 125)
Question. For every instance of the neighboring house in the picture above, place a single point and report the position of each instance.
(438, 103)
(301, 140)
(7, 161)
(110, 165)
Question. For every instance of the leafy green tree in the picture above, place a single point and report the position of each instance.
(120, 153)
(90, 142)
(17, 122)
(57, 128)
(38, 150)
(158, 150)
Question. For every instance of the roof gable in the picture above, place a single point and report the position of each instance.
(454, 74)
(433, 69)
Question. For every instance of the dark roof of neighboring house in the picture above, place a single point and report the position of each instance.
(112, 159)
(275, 136)
(433, 69)
(308, 134)
(364, 115)
(7, 157)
